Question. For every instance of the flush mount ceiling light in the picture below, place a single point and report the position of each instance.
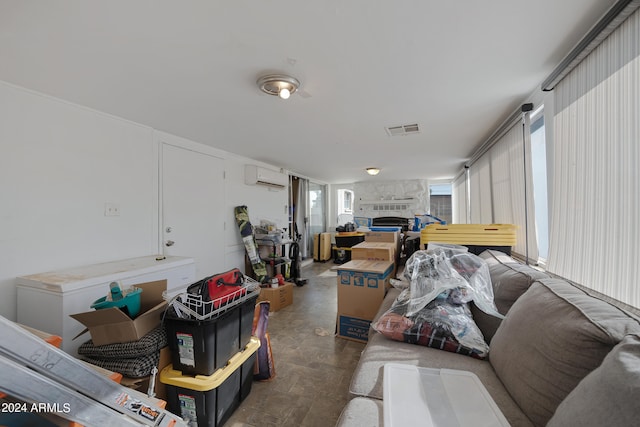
(373, 171)
(278, 84)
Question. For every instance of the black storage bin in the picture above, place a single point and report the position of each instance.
(208, 408)
(411, 244)
(246, 377)
(247, 310)
(393, 221)
(210, 401)
(477, 250)
(347, 241)
(199, 347)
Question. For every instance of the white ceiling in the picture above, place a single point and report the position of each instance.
(457, 68)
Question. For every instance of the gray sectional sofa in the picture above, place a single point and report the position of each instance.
(560, 357)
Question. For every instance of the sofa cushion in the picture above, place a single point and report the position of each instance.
(361, 411)
(367, 379)
(510, 279)
(551, 338)
(609, 395)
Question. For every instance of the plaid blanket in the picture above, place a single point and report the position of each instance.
(148, 344)
(137, 367)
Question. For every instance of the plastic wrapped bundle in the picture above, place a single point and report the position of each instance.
(434, 310)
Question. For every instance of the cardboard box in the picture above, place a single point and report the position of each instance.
(362, 285)
(112, 325)
(382, 236)
(278, 298)
(385, 237)
(374, 251)
(142, 384)
(353, 328)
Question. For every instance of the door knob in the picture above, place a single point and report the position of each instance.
(169, 243)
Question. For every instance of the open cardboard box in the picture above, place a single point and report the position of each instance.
(112, 325)
(278, 298)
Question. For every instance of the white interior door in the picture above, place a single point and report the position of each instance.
(192, 220)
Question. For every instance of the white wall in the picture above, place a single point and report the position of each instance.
(263, 203)
(60, 163)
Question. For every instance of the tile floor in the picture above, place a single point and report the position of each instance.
(313, 367)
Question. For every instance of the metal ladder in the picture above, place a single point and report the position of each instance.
(42, 375)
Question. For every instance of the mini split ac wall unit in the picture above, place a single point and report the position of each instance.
(256, 175)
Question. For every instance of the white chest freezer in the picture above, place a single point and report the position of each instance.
(46, 300)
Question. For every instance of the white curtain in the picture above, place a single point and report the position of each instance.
(498, 189)
(459, 199)
(508, 177)
(481, 191)
(595, 205)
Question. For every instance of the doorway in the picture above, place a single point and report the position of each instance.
(307, 214)
(317, 211)
(192, 222)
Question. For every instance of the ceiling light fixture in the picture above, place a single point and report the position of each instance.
(373, 171)
(278, 85)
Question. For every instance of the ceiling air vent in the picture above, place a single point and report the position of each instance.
(403, 130)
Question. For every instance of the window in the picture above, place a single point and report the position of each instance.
(345, 206)
(345, 202)
(539, 172)
(440, 202)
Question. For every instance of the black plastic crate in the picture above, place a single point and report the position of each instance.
(349, 240)
(477, 249)
(204, 335)
(246, 377)
(247, 310)
(208, 408)
(199, 347)
(210, 401)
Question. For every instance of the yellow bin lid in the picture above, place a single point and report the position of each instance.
(173, 377)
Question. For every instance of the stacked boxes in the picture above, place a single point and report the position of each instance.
(213, 356)
(374, 251)
(363, 281)
(362, 286)
(385, 237)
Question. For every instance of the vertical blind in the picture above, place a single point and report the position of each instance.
(497, 182)
(513, 202)
(480, 188)
(459, 199)
(595, 207)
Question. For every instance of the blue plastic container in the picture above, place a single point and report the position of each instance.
(385, 229)
(129, 301)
